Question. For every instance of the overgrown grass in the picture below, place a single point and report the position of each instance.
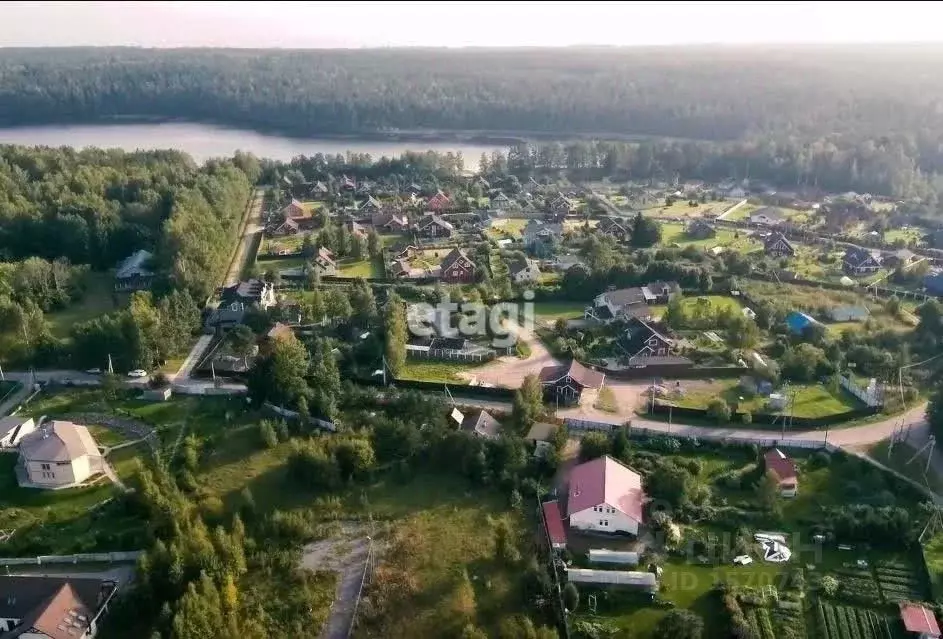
(427, 371)
(811, 400)
(552, 311)
(731, 240)
(105, 437)
(904, 460)
(369, 268)
(98, 300)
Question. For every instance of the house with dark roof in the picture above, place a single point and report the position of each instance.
(134, 273)
(861, 261)
(621, 304)
(287, 226)
(501, 202)
(319, 189)
(560, 206)
(660, 292)
(45, 607)
(250, 292)
(919, 621)
(479, 422)
(566, 383)
(524, 271)
(614, 228)
(606, 496)
(700, 230)
(901, 258)
(370, 205)
(934, 283)
(777, 245)
(448, 348)
(433, 226)
(457, 267)
(768, 216)
(783, 470)
(390, 222)
(642, 340)
(541, 238)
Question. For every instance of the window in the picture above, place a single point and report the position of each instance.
(605, 522)
(600, 522)
(44, 466)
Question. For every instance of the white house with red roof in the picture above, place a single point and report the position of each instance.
(783, 469)
(605, 496)
(919, 621)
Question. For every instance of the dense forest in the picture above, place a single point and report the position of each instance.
(865, 118)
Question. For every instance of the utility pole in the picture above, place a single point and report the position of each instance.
(670, 407)
(926, 468)
(2, 378)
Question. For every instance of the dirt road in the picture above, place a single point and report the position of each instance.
(509, 372)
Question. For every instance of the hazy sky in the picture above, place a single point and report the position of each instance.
(365, 24)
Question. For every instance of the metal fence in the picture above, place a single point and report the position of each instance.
(129, 556)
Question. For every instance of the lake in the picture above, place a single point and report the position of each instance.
(205, 141)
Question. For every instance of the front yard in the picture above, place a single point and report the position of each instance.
(811, 400)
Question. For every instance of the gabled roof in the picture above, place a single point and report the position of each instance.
(429, 220)
(481, 423)
(605, 481)
(777, 238)
(780, 465)
(519, 266)
(370, 202)
(625, 296)
(919, 619)
(856, 256)
(585, 377)
(553, 521)
(639, 332)
(500, 197)
(60, 608)
(610, 225)
(58, 441)
(454, 255)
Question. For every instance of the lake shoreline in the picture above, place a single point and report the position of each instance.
(438, 136)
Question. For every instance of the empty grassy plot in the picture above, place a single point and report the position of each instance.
(683, 208)
(290, 243)
(908, 234)
(428, 258)
(803, 400)
(552, 311)
(431, 371)
(371, 268)
(266, 265)
(99, 298)
(506, 228)
(731, 239)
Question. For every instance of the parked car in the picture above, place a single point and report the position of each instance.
(94, 371)
(137, 372)
(743, 560)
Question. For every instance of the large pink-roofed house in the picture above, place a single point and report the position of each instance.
(605, 496)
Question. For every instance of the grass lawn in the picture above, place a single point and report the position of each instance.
(63, 521)
(552, 311)
(371, 268)
(717, 303)
(689, 586)
(681, 208)
(99, 299)
(432, 371)
(429, 258)
(743, 212)
(909, 235)
(105, 437)
(933, 553)
(730, 239)
(812, 400)
(502, 228)
(279, 265)
(287, 242)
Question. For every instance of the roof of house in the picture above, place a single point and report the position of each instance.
(639, 332)
(58, 441)
(769, 212)
(370, 202)
(605, 481)
(776, 238)
(553, 520)
(855, 312)
(61, 608)
(611, 224)
(11, 424)
(798, 321)
(519, 266)
(541, 432)
(625, 296)
(133, 265)
(248, 289)
(585, 377)
(481, 422)
(780, 465)
(500, 197)
(429, 220)
(661, 288)
(857, 255)
(454, 255)
(919, 619)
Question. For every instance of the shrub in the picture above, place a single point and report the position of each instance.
(267, 434)
(571, 597)
(747, 417)
(719, 411)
